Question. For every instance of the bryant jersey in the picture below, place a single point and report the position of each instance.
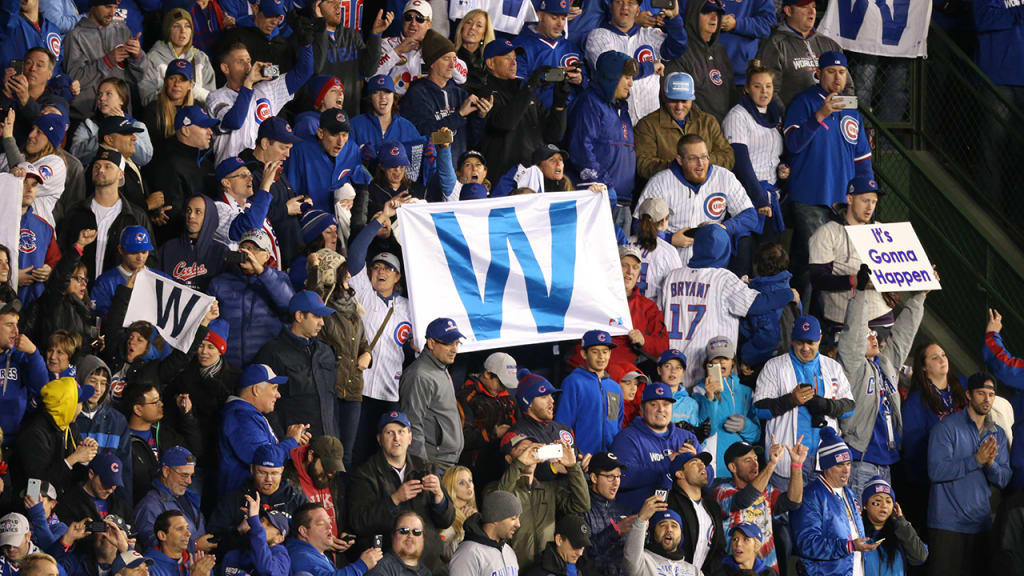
(404, 68)
(764, 144)
(699, 304)
(644, 46)
(508, 16)
(380, 380)
(268, 97)
(691, 206)
(655, 265)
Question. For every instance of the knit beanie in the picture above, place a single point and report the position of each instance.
(433, 47)
(499, 505)
(218, 334)
(319, 85)
(877, 485)
(314, 222)
(832, 450)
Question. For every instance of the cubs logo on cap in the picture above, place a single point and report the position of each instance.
(597, 338)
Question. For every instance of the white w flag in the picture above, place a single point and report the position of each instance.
(881, 27)
(10, 220)
(175, 309)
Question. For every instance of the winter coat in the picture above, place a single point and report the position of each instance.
(76, 504)
(427, 397)
(308, 398)
(643, 451)
(86, 56)
(181, 173)
(344, 332)
(107, 426)
(253, 306)
(56, 309)
(316, 174)
(603, 518)
(104, 287)
(159, 500)
(85, 143)
(348, 56)
(159, 56)
(430, 108)
(208, 395)
(228, 514)
(195, 262)
(243, 430)
(478, 554)
(24, 376)
(735, 399)
(482, 412)
(657, 135)
(278, 50)
(81, 217)
(551, 564)
(259, 558)
(1000, 39)
(144, 464)
(761, 332)
(821, 529)
(754, 22)
(909, 549)
(647, 318)
(305, 558)
(40, 451)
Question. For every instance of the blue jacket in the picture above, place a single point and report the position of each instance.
(253, 307)
(37, 245)
(105, 286)
(540, 51)
(259, 559)
(606, 542)
(164, 566)
(601, 133)
(423, 156)
(160, 500)
(22, 377)
(107, 426)
(305, 558)
(643, 451)
(822, 528)
(315, 174)
(735, 399)
(754, 21)
(918, 423)
(959, 498)
(45, 531)
(18, 35)
(594, 412)
(430, 108)
(1000, 41)
(685, 408)
(823, 157)
(243, 430)
(761, 332)
(1010, 371)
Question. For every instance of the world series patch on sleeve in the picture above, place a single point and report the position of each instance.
(895, 256)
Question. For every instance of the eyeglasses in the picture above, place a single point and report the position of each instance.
(612, 477)
(246, 176)
(81, 279)
(695, 159)
(409, 17)
(406, 531)
(153, 403)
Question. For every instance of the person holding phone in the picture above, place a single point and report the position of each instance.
(725, 401)
(886, 525)
(266, 554)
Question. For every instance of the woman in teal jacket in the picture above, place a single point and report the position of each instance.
(729, 410)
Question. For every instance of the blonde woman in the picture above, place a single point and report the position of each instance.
(176, 43)
(458, 482)
(179, 79)
(472, 36)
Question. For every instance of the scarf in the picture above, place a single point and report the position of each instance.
(771, 118)
(212, 370)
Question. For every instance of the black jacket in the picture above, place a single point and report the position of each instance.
(518, 124)
(40, 452)
(145, 465)
(180, 172)
(286, 227)
(309, 396)
(350, 57)
(371, 511)
(208, 396)
(551, 564)
(76, 504)
(56, 309)
(81, 217)
(681, 503)
(278, 50)
(228, 514)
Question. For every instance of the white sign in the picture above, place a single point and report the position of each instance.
(895, 256)
(880, 27)
(515, 270)
(175, 309)
(10, 220)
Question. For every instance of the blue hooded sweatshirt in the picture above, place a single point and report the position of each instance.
(601, 132)
(643, 451)
(1000, 41)
(22, 377)
(195, 262)
(592, 407)
(243, 430)
(762, 332)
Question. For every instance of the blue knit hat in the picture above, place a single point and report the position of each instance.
(832, 450)
(314, 222)
(877, 485)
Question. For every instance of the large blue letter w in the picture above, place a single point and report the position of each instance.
(548, 306)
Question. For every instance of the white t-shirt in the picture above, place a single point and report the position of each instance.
(104, 220)
(858, 558)
(705, 530)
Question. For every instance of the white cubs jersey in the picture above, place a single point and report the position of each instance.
(507, 16)
(54, 171)
(700, 304)
(692, 205)
(655, 266)
(380, 380)
(764, 144)
(268, 97)
(644, 46)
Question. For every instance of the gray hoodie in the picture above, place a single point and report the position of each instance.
(708, 63)
(478, 555)
(794, 60)
(643, 562)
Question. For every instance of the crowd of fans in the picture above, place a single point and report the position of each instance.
(767, 412)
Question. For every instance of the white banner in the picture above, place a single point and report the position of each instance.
(175, 309)
(516, 270)
(895, 256)
(880, 27)
(10, 220)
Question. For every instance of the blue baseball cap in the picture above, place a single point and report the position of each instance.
(660, 517)
(181, 67)
(712, 6)
(193, 116)
(443, 330)
(679, 86)
(391, 417)
(272, 8)
(672, 354)
(177, 456)
(129, 559)
(268, 456)
(279, 520)
(380, 82)
(806, 328)
(685, 457)
(749, 529)
(863, 185)
(497, 48)
(135, 239)
(533, 386)
(657, 391)
(108, 467)
(257, 374)
(552, 7)
(308, 301)
(392, 155)
(473, 191)
(229, 165)
(597, 338)
(277, 129)
(831, 58)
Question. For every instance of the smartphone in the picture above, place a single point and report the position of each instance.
(663, 4)
(234, 257)
(554, 75)
(442, 137)
(805, 385)
(844, 102)
(715, 373)
(19, 66)
(34, 485)
(271, 71)
(378, 541)
(96, 526)
(662, 495)
(549, 452)
(873, 541)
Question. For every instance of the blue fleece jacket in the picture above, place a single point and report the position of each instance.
(592, 407)
(305, 558)
(736, 398)
(1000, 30)
(243, 430)
(315, 174)
(159, 500)
(959, 499)
(22, 377)
(754, 21)
(822, 528)
(643, 451)
(19, 35)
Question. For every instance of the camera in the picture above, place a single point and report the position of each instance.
(234, 258)
(96, 526)
(271, 71)
(554, 75)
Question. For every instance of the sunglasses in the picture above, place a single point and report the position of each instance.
(409, 17)
(406, 531)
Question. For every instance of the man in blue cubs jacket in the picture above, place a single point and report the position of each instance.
(591, 402)
(37, 244)
(135, 248)
(545, 44)
(318, 167)
(22, 373)
(828, 527)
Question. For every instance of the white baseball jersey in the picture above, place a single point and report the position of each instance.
(507, 16)
(764, 144)
(54, 171)
(268, 97)
(404, 68)
(644, 46)
(699, 304)
(380, 380)
(691, 206)
(831, 244)
(655, 265)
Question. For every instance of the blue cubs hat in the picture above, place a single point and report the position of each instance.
(257, 374)
(272, 8)
(472, 191)
(657, 391)
(277, 129)
(443, 330)
(310, 302)
(597, 338)
(181, 67)
(685, 457)
(108, 467)
(672, 354)
(679, 86)
(193, 116)
(129, 559)
(831, 58)
(497, 48)
(380, 82)
(391, 417)
(392, 155)
(280, 520)
(806, 328)
(135, 239)
(749, 529)
(863, 185)
(177, 456)
(553, 7)
(229, 165)
(268, 456)
(533, 386)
